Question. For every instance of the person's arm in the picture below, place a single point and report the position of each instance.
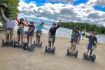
(2, 12)
(26, 24)
(96, 39)
(17, 20)
(58, 25)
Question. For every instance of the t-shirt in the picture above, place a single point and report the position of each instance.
(31, 27)
(91, 39)
(74, 36)
(39, 27)
(52, 30)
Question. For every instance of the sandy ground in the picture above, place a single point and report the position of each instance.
(18, 59)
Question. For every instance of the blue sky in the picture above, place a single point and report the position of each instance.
(92, 11)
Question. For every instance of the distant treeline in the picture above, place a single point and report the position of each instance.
(84, 26)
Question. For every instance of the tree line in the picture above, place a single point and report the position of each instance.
(84, 26)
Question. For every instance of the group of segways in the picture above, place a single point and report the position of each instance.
(15, 44)
(85, 56)
(51, 50)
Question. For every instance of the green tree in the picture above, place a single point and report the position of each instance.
(11, 9)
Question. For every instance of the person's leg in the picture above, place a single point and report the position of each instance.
(49, 46)
(22, 35)
(28, 39)
(88, 48)
(71, 45)
(87, 51)
(21, 38)
(39, 40)
(74, 46)
(11, 34)
(7, 37)
(53, 42)
(91, 52)
(18, 34)
(49, 43)
(36, 37)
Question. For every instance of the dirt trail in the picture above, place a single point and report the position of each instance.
(18, 59)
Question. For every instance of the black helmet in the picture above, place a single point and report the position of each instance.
(42, 23)
(32, 23)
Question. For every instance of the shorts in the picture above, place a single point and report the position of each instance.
(38, 33)
(72, 40)
(89, 47)
(52, 38)
(20, 31)
(29, 33)
(9, 31)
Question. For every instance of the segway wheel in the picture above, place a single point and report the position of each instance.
(67, 54)
(76, 54)
(93, 58)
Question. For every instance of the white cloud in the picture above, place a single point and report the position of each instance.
(67, 12)
(60, 0)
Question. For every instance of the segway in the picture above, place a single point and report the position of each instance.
(50, 50)
(89, 57)
(17, 45)
(7, 44)
(29, 48)
(69, 53)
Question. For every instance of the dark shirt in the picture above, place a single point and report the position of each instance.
(91, 39)
(31, 27)
(52, 30)
(74, 36)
